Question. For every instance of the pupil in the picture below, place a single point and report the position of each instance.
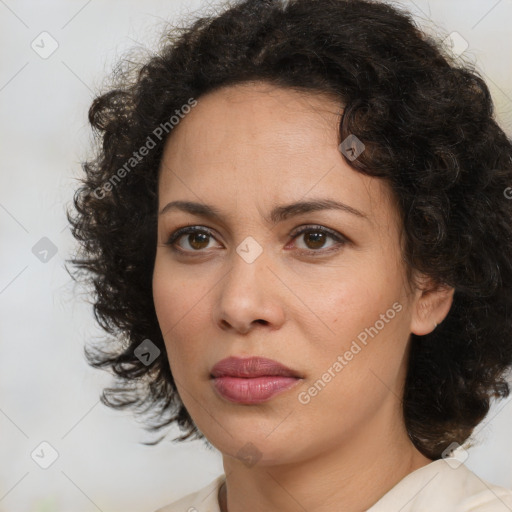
(196, 236)
(318, 239)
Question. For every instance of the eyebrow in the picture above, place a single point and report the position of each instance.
(278, 213)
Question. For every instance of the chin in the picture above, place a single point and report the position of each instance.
(257, 447)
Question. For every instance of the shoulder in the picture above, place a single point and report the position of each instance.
(474, 494)
(205, 499)
(445, 485)
(487, 497)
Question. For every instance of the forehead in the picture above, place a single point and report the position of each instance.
(254, 125)
(262, 144)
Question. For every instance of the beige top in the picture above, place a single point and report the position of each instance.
(444, 485)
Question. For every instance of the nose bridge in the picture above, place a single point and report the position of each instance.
(245, 293)
(248, 264)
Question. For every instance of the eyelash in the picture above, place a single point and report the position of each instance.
(188, 230)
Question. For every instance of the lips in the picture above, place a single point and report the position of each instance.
(251, 367)
(252, 380)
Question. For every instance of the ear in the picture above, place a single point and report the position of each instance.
(431, 305)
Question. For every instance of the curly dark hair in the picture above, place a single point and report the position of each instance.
(427, 122)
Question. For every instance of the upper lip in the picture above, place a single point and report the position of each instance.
(251, 367)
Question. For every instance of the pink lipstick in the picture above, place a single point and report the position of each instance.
(252, 380)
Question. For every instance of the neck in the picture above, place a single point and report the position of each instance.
(351, 476)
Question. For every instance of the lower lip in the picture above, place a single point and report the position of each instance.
(254, 390)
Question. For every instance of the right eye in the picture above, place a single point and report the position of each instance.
(198, 239)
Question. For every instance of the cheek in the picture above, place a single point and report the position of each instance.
(178, 301)
(176, 292)
(165, 297)
(363, 318)
(358, 368)
(351, 300)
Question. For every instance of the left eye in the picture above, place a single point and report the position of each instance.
(316, 236)
(199, 238)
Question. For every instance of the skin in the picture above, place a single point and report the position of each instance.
(245, 149)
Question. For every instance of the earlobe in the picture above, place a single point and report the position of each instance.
(431, 308)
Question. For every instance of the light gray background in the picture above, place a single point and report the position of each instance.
(47, 391)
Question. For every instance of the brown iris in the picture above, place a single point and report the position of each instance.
(316, 238)
(203, 237)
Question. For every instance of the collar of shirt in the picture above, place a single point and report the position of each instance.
(444, 485)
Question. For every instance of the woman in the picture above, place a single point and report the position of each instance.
(299, 236)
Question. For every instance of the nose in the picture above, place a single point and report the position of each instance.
(248, 296)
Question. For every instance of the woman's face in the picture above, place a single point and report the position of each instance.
(331, 303)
